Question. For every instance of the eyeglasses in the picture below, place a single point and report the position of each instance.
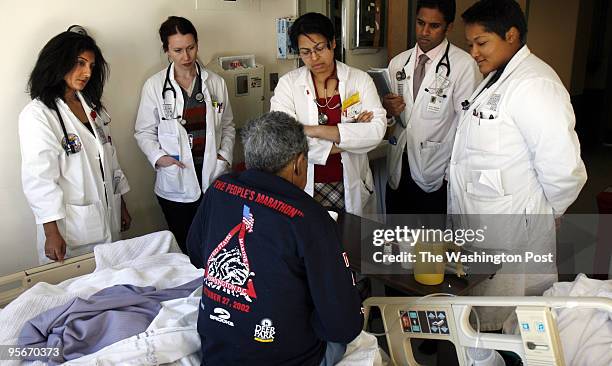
(317, 49)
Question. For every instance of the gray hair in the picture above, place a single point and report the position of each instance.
(272, 140)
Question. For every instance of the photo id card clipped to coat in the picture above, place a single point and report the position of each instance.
(100, 132)
(351, 107)
(437, 93)
(435, 103)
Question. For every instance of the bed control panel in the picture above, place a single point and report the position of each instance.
(424, 322)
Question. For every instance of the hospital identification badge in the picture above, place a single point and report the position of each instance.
(73, 144)
(351, 107)
(435, 104)
(493, 102)
(437, 93)
(101, 135)
(167, 109)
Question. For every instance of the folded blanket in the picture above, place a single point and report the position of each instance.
(81, 326)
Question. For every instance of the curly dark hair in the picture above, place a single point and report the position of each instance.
(56, 59)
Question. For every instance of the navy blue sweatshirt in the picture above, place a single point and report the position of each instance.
(276, 282)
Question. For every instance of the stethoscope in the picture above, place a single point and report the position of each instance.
(465, 105)
(70, 148)
(199, 97)
(444, 61)
(322, 118)
(401, 75)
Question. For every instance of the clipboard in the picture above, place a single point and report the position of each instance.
(382, 81)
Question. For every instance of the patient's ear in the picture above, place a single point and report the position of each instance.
(301, 166)
(300, 170)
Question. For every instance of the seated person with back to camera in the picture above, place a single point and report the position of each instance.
(277, 289)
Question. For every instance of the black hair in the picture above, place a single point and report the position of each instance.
(311, 23)
(446, 7)
(497, 16)
(175, 25)
(57, 58)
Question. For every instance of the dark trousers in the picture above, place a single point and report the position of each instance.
(179, 216)
(409, 198)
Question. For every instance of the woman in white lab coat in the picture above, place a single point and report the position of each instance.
(184, 127)
(71, 176)
(342, 114)
(516, 163)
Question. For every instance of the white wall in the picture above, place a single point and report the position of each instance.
(126, 31)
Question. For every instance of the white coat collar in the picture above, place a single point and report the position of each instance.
(86, 107)
(304, 78)
(434, 52)
(514, 62)
(409, 66)
(203, 76)
(431, 71)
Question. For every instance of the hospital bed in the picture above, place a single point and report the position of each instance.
(546, 334)
(15, 284)
(583, 334)
(150, 260)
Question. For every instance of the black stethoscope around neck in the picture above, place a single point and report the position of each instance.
(466, 104)
(68, 145)
(444, 61)
(168, 87)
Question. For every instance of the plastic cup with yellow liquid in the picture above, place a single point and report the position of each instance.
(431, 261)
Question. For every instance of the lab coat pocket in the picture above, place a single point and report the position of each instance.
(434, 158)
(170, 179)
(170, 143)
(486, 205)
(493, 215)
(366, 190)
(486, 183)
(351, 112)
(216, 116)
(483, 134)
(85, 224)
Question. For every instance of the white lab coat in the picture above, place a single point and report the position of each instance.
(430, 128)
(157, 137)
(515, 169)
(295, 95)
(70, 189)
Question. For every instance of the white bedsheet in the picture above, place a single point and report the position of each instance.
(143, 261)
(586, 334)
(150, 260)
(171, 338)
